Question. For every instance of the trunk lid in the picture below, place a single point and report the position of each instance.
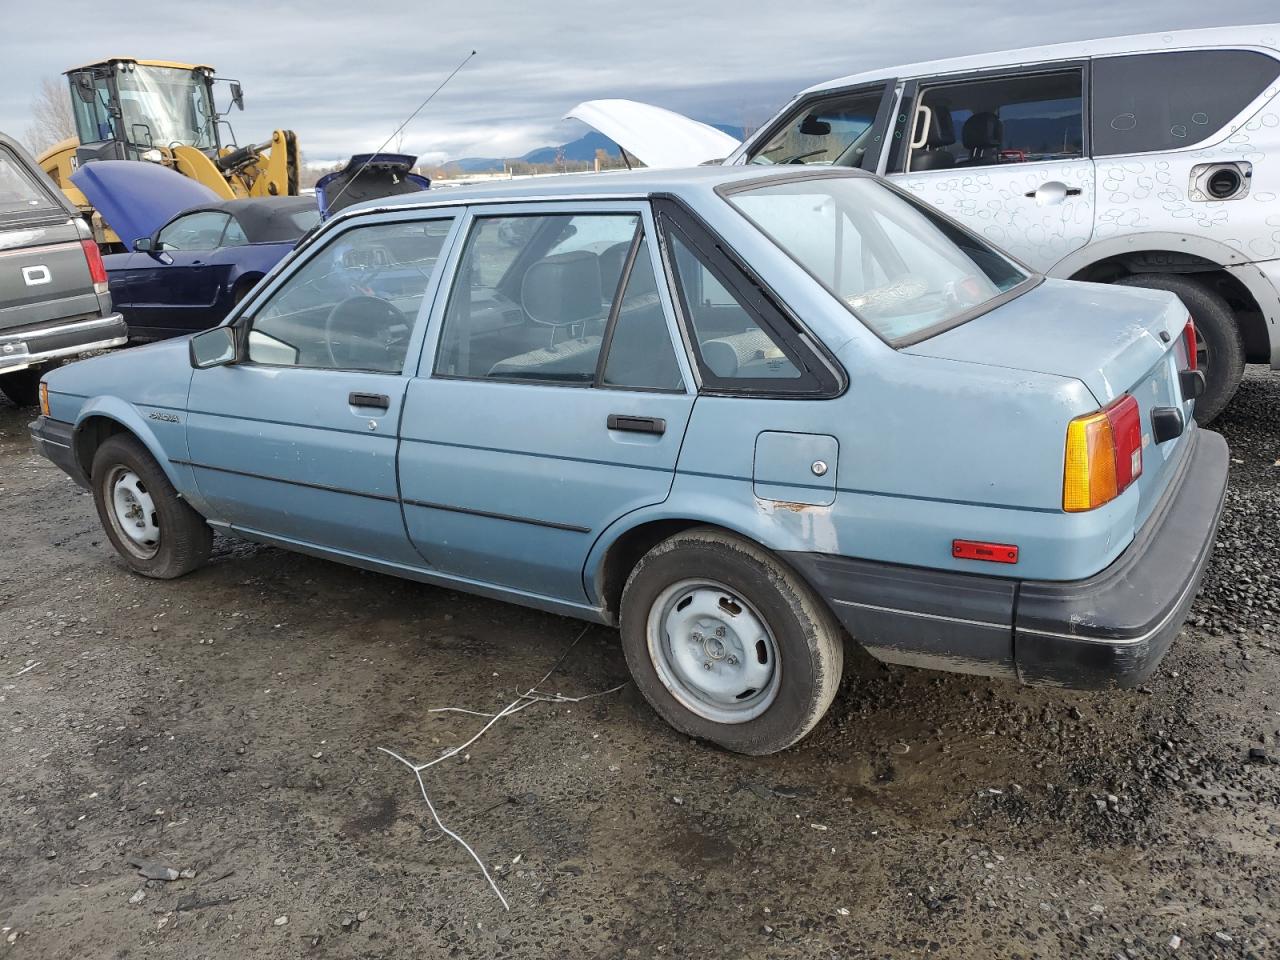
(1116, 340)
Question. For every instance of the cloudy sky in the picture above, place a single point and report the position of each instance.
(343, 75)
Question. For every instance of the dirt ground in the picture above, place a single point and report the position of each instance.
(228, 724)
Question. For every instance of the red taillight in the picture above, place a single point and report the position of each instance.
(1103, 455)
(97, 270)
(1126, 434)
(1189, 338)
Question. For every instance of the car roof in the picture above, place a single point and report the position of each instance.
(1264, 36)
(263, 219)
(614, 185)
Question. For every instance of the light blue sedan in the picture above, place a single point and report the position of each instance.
(736, 413)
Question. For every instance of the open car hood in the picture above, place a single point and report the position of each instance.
(657, 137)
(368, 176)
(136, 198)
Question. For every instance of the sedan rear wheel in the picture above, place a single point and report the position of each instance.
(728, 644)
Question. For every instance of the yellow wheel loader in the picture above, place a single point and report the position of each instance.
(159, 111)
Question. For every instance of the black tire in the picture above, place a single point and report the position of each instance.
(23, 387)
(184, 540)
(1222, 355)
(808, 640)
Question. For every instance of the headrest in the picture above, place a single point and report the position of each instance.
(982, 130)
(942, 132)
(562, 289)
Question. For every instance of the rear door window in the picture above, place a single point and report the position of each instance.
(20, 193)
(1163, 101)
(1027, 118)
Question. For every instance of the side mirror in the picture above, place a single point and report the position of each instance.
(214, 348)
(82, 84)
(143, 245)
(237, 95)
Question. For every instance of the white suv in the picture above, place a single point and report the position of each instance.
(1150, 161)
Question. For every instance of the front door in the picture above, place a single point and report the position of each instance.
(555, 401)
(173, 288)
(1005, 156)
(298, 441)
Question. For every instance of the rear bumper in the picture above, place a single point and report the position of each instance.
(1108, 630)
(54, 440)
(54, 341)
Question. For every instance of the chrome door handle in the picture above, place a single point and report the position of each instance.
(1051, 193)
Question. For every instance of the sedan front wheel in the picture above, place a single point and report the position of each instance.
(153, 529)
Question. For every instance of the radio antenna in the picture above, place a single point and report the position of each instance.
(395, 133)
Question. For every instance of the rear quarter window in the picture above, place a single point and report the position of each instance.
(20, 192)
(1163, 101)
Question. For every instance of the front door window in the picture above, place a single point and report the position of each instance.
(354, 303)
(836, 131)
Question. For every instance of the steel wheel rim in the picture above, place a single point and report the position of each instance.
(133, 513)
(713, 651)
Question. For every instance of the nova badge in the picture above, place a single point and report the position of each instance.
(164, 417)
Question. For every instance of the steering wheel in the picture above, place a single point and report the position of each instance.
(363, 332)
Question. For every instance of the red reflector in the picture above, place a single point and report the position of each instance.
(977, 550)
(97, 271)
(1189, 337)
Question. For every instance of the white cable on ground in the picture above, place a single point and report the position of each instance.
(523, 701)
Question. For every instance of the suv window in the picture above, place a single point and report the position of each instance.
(1162, 101)
(353, 304)
(830, 131)
(534, 295)
(196, 231)
(19, 191)
(977, 123)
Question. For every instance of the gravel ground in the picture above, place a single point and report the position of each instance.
(226, 726)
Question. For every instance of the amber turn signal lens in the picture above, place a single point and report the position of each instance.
(1103, 455)
(44, 398)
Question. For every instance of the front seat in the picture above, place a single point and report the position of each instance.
(982, 134)
(942, 134)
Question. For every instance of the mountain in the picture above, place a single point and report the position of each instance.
(582, 150)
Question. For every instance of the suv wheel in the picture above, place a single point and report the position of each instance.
(728, 644)
(153, 529)
(1219, 346)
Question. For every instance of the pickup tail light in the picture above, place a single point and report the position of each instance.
(97, 269)
(1103, 456)
(1189, 338)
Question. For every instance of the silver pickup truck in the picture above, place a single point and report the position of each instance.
(53, 287)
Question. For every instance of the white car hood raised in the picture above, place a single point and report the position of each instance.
(658, 138)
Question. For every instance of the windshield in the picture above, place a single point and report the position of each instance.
(164, 106)
(20, 194)
(901, 269)
(834, 131)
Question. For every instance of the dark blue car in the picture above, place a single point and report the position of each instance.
(193, 255)
(200, 264)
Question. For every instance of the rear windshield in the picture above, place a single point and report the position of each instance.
(903, 270)
(20, 193)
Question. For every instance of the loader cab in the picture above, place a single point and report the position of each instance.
(128, 109)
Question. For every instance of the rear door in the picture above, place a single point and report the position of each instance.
(44, 274)
(554, 402)
(1004, 153)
